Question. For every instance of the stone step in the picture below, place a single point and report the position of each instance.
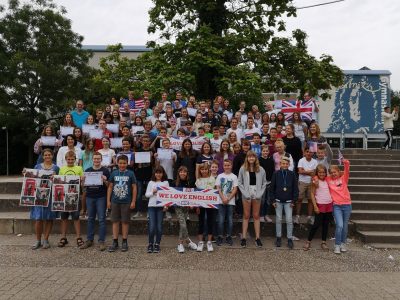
(372, 174)
(369, 151)
(10, 187)
(375, 161)
(384, 246)
(19, 223)
(10, 202)
(373, 156)
(379, 236)
(377, 196)
(377, 225)
(374, 180)
(375, 205)
(374, 168)
(365, 214)
(376, 188)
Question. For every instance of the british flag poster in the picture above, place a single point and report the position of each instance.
(288, 107)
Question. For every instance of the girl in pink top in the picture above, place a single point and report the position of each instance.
(340, 194)
(322, 202)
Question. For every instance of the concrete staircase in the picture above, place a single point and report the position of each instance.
(375, 191)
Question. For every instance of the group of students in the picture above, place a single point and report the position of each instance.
(255, 163)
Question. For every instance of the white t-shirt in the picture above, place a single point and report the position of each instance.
(216, 144)
(149, 191)
(238, 131)
(61, 162)
(248, 133)
(227, 182)
(168, 165)
(307, 166)
(107, 156)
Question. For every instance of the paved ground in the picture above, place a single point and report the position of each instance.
(227, 273)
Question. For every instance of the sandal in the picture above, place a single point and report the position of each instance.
(79, 242)
(307, 246)
(324, 246)
(62, 242)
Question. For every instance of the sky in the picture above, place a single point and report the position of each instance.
(356, 33)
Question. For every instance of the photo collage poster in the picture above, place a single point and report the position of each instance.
(36, 188)
(65, 193)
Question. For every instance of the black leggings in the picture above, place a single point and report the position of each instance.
(210, 220)
(320, 219)
(389, 138)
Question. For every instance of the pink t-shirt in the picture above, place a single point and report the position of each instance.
(322, 195)
(338, 187)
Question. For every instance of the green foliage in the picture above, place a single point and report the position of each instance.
(42, 67)
(226, 47)
(395, 101)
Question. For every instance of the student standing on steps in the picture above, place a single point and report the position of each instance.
(322, 202)
(43, 216)
(341, 203)
(96, 201)
(252, 184)
(156, 214)
(121, 198)
(306, 168)
(284, 192)
(227, 184)
(183, 181)
(205, 181)
(388, 125)
(70, 169)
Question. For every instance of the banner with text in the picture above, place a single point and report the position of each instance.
(170, 196)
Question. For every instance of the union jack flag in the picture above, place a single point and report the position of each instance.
(305, 108)
(134, 105)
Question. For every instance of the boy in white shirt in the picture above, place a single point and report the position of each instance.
(306, 166)
(215, 141)
(227, 184)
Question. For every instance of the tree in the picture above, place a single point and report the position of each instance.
(42, 67)
(231, 47)
(395, 101)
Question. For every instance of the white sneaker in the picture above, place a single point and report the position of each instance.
(168, 215)
(296, 219)
(267, 219)
(137, 215)
(343, 248)
(200, 247)
(295, 238)
(210, 247)
(192, 245)
(181, 249)
(337, 249)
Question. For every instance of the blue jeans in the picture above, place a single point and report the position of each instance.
(288, 214)
(341, 214)
(141, 188)
(225, 211)
(155, 222)
(96, 206)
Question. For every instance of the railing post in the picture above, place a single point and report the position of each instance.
(342, 140)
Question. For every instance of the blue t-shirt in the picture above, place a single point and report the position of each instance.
(122, 186)
(79, 118)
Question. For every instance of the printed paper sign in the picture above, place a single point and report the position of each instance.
(36, 188)
(65, 192)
